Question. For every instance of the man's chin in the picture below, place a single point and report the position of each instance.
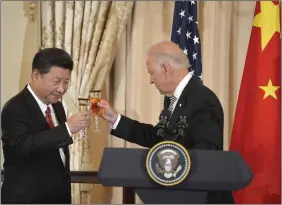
(53, 100)
(161, 92)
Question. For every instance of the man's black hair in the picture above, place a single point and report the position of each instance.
(48, 57)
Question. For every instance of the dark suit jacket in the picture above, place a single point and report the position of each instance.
(33, 168)
(205, 126)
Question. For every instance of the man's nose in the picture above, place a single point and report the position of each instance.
(151, 80)
(61, 88)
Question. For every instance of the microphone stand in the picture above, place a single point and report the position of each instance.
(162, 124)
(181, 125)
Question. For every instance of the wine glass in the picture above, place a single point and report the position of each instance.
(83, 107)
(95, 97)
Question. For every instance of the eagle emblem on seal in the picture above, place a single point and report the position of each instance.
(168, 163)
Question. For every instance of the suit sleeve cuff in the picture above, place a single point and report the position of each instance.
(114, 126)
(68, 129)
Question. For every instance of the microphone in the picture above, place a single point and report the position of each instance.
(181, 126)
(162, 124)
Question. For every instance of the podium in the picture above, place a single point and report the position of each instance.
(210, 171)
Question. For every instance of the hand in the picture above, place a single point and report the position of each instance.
(109, 113)
(78, 121)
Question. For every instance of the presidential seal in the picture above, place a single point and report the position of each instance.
(168, 163)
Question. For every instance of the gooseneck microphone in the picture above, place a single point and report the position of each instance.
(181, 127)
(162, 124)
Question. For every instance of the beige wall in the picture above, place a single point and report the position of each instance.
(19, 42)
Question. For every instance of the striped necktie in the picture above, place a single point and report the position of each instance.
(172, 101)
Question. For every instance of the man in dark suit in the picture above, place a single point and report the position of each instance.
(168, 68)
(36, 134)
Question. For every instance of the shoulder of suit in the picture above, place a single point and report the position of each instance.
(14, 101)
(206, 93)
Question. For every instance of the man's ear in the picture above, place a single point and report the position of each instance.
(35, 74)
(165, 67)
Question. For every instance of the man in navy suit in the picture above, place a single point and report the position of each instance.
(168, 66)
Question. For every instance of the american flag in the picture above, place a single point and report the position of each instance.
(185, 34)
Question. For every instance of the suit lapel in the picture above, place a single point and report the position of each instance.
(59, 112)
(31, 102)
(184, 104)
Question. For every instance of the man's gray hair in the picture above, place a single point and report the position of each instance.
(176, 60)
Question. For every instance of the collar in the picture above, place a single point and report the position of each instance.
(42, 105)
(179, 89)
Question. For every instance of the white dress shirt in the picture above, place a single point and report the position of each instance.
(179, 89)
(43, 108)
(177, 93)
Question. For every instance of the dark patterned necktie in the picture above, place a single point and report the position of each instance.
(49, 118)
(172, 101)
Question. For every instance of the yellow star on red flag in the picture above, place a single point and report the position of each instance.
(268, 20)
(269, 90)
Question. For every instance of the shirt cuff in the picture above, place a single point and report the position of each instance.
(114, 126)
(68, 129)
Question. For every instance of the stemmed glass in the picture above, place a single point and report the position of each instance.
(95, 97)
(84, 105)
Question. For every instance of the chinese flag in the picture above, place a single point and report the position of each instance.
(256, 129)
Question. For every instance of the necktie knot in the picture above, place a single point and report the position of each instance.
(172, 101)
(48, 111)
(173, 98)
(49, 117)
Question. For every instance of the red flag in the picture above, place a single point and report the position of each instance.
(256, 129)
